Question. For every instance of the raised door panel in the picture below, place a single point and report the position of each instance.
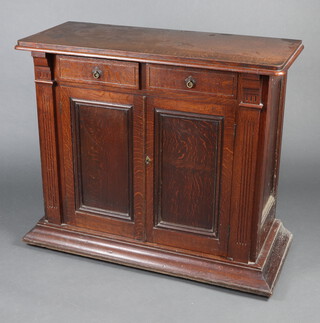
(189, 175)
(102, 157)
(188, 150)
(102, 144)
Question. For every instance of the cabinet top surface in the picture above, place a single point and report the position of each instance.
(224, 51)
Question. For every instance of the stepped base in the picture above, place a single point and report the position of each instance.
(257, 278)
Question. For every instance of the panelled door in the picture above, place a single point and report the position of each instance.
(189, 164)
(170, 186)
(103, 160)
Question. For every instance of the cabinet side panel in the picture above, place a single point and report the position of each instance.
(272, 157)
(102, 137)
(271, 142)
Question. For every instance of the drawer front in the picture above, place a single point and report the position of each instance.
(162, 77)
(98, 71)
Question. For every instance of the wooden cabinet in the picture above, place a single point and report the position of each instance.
(160, 149)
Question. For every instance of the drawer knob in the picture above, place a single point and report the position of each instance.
(190, 82)
(96, 73)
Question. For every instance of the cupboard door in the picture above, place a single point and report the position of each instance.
(189, 176)
(102, 158)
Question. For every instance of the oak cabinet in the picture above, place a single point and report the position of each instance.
(160, 149)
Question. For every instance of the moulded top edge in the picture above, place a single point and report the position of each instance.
(263, 55)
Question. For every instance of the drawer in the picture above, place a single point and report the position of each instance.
(98, 71)
(190, 80)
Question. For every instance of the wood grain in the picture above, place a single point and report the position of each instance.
(47, 131)
(140, 169)
(102, 137)
(189, 178)
(112, 73)
(99, 194)
(258, 278)
(219, 51)
(206, 81)
(244, 169)
(186, 185)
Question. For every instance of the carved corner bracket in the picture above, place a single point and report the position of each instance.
(43, 68)
(250, 91)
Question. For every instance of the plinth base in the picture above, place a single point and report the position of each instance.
(257, 278)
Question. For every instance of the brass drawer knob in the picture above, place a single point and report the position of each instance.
(190, 82)
(96, 73)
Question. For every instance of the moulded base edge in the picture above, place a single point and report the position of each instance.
(257, 278)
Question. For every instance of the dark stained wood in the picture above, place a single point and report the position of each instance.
(102, 143)
(189, 178)
(189, 148)
(102, 137)
(47, 132)
(160, 149)
(206, 81)
(271, 55)
(245, 163)
(258, 278)
(264, 205)
(111, 72)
